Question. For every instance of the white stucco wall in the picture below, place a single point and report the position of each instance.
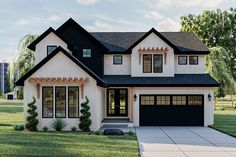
(190, 69)
(61, 66)
(208, 105)
(152, 41)
(114, 69)
(41, 47)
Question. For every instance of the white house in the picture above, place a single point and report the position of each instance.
(140, 78)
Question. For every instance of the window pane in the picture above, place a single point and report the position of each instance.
(47, 102)
(86, 52)
(182, 60)
(60, 102)
(73, 102)
(193, 60)
(50, 49)
(123, 101)
(163, 100)
(195, 100)
(179, 100)
(147, 100)
(157, 63)
(111, 101)
(147, 63)
(117, 59)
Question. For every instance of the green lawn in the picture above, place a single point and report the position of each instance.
(25, 143)
(225, 121)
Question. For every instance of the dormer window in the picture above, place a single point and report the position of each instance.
(117, 59)
(86, 53)
(182, 60)
(51, 48)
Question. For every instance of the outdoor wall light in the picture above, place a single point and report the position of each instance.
(209, 97)
(135, 97)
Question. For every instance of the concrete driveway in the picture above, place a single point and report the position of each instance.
(184, 142)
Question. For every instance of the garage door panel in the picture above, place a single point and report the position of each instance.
(171, 115)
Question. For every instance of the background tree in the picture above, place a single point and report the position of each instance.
(24, 61)
(85, 122)
(217, 29)
(32, 122)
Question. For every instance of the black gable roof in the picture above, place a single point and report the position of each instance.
(186, 42)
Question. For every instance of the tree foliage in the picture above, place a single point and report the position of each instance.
(85, 122)
(217, 29)
(23, 62)
(32, 122)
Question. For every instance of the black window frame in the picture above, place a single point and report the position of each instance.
(151, 63)
(161, 63)
(69, 100)
(51, 46)
(52, 101)
(117, 56)
(193, 63)
(86, 55)
(184, 57)
(56, 102)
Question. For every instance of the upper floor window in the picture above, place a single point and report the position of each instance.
(86, 53)
(51, 48)
(152, 63)
(193, 60)
(182, 60)
(117, 59)
(147, 63)
(157, 63)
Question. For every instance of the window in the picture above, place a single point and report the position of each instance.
(86, 53)
(60, 103)
(147, 63)
(193, 60)
(73, 102)
(51, 48)
(179, 100)
(47, 102)
(147, 100)
(195, 100)
(163, 100)
(157, 63)
(117, 59)
(182, 60)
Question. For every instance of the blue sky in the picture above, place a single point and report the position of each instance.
(22, 17)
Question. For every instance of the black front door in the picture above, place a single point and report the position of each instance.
(117, 102)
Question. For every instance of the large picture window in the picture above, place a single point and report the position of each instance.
(60, 103)
(157, 63)
(47, 102)
(73, 102)
(147, 63)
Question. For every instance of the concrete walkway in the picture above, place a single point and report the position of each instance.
(184, 142)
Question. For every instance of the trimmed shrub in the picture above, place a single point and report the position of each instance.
(32, 122)
(98, 132)
(58, 124)
(85, 122)
(73, 129)
(131, 133)
(19, 127)
(45, 129)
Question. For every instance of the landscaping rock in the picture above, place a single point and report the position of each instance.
(113, 132)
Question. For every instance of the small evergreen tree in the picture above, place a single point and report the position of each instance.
(32, 122)
(85, 122)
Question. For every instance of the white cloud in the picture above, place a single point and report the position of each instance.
(187, 3)
(155, 15)
(168, 24)
(86, 2)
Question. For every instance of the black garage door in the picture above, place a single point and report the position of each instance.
(171, 110)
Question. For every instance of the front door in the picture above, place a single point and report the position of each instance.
(117, 102)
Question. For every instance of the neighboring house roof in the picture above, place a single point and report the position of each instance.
(179, 80)
(185, 42)
(21, 81)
